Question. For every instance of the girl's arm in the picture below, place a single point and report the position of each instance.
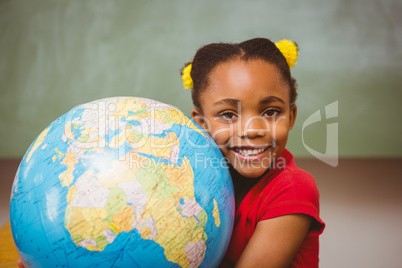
(275, 241)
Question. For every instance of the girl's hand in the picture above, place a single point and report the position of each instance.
(20, 263)
(275, 241)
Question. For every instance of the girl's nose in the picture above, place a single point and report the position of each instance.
(253, 127)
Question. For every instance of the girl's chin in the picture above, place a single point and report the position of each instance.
(250, 172)
(250, 169)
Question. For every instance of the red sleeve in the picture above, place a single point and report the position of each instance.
(295, 192)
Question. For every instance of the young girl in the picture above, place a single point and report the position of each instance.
(244, 96)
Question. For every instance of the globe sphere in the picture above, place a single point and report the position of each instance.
(122, 182)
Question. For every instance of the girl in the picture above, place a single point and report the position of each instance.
(244, 96)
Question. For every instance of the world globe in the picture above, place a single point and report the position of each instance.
(122, 182)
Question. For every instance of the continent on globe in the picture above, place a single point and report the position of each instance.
(119, 182)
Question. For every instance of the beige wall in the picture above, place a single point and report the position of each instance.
(361, 203)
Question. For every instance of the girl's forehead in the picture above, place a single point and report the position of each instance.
(246, 79)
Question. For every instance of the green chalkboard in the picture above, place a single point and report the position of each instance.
(57, 54)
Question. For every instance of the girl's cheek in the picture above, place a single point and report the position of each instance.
(220, 139)
(221, 134)
(280, 134)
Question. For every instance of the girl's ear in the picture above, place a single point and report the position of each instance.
(198, 117)
(292, 116)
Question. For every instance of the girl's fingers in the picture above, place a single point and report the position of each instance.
(20, 263)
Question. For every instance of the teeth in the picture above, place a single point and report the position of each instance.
(249, 151)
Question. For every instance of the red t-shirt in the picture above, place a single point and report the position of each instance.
(285, 189)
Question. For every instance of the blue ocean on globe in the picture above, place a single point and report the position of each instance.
(122, 182)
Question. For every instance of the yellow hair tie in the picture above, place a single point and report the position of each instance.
(187, 81)
(289, 51)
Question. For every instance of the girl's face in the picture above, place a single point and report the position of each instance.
(246, 109)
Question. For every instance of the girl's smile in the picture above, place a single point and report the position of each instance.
(250, 152)
(246, 109)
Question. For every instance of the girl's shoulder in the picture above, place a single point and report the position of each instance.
(292, 181)
(284, 170)
(286, 191)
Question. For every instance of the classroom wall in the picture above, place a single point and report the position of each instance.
(57, 54)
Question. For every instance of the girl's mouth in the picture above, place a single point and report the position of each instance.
(250, 151)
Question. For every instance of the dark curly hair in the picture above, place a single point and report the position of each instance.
(210, 56)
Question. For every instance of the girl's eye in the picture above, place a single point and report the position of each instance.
(227, 115)
(272, 112)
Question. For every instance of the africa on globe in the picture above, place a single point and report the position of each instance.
(122, 182)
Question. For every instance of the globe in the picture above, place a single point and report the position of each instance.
(122, 182)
